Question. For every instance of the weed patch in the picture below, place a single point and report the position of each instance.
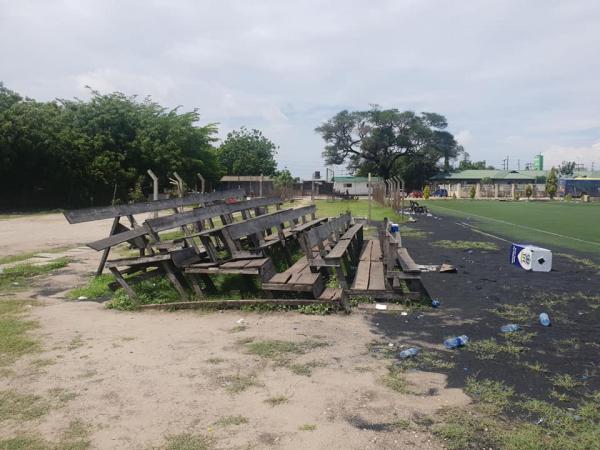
(234, 384)
(305, 369)
(15, 340)
(20, 276)
(22, 407)
(187, 441)
(231, 421)
(307, 427)
(96, 288)
(277, 400)
(276, 349)
(515, 313)
(395, 380)
(467, 245)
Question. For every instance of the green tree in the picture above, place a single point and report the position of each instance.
(426, 192)
(552, 183)
(247, 152)
(71, 153)
(467, 164)
(528, 191)
(567, 168)
(284, 183)
(376, 139)
(472, 192)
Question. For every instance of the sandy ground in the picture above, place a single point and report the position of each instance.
(134, 379)
(46, 231)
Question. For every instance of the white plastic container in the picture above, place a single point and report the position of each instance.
(530, 257)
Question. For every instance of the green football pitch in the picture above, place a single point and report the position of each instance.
(563, 224)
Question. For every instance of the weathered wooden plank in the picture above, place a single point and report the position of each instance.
(352, 231)
(257, 262)
(339, 250)
(116, 239)
(261, 223)
(135, 261)
(108, 212)
(280, 277)
(376, 251)
(406, 262)
(307, 225)
(208, 212)
(223, 304)
(376, 280)
(361, 280)
(366, 252)
(239, 264)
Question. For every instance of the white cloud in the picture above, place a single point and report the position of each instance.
(494, 68)
(581, 155)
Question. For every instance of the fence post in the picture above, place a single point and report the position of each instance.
(154, 188)
(369, 189)
(202, 183)
(260, 185)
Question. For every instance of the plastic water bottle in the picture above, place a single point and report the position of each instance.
(544, 319)
(457, 341)
(408, 353)
(435, 303)
(510, 328)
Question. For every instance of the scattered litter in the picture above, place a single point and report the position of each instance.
(408, 353)
(530, 257)
(447, 268)
(82, 297)
(394, 228)
(435, 303)
(545, 319)
(380, 306)
(457, 341)
(15, 283)
(391, 344)
(404, 313)
(510, 328)
(241, 321)
(411, 219)
(429, 215)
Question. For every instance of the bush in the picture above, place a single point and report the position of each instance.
(528, 191)
(568, 197)
(426, 192)
(472, 192)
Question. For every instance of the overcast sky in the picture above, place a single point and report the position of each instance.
(513, 77)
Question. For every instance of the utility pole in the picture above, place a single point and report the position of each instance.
(260, 185)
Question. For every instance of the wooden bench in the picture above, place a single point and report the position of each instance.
(118, 211)
(370, 275)
(246, 243)
(168, 260)
(335, 245)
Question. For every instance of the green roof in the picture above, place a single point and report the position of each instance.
(493, 174)
(356, 179)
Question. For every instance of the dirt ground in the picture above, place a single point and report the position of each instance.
(135, 379)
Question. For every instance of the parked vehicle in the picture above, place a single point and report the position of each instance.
(440, 193)
(416, 194)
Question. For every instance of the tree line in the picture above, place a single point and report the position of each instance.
(76, 153)
(390, 142)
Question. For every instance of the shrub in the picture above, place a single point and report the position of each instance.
(528, 191)
(426, 192)
(472, 192)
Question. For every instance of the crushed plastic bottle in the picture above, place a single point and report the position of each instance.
(457, 341)
(408, 353)
(435, 303)
(545, 319)
(510, 328)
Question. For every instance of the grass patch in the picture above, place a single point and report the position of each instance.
(187, 441)
(395, 380)
(490, 348)
(305, 369)
(15, 340)
(276, 349)
(358, 208)
(228, 421)
(158, 290)
(234, 384)
(276, 400)
(96, 288)
(22, 407)
(413, 233)
(466, 245)
(238, 329)
(515, 313)
(20, 276)
(307, 427)
(565, 381)
(215, 360)
(316, 309)
(586, 262)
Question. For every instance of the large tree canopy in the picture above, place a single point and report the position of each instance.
(68, 153)
(247, 152)
(378, 138)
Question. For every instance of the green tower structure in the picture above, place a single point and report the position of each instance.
(538, 162)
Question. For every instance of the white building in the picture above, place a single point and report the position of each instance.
(353, 185)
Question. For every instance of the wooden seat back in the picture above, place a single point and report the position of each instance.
(112, 212)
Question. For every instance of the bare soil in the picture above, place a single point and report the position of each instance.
(137, 378)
